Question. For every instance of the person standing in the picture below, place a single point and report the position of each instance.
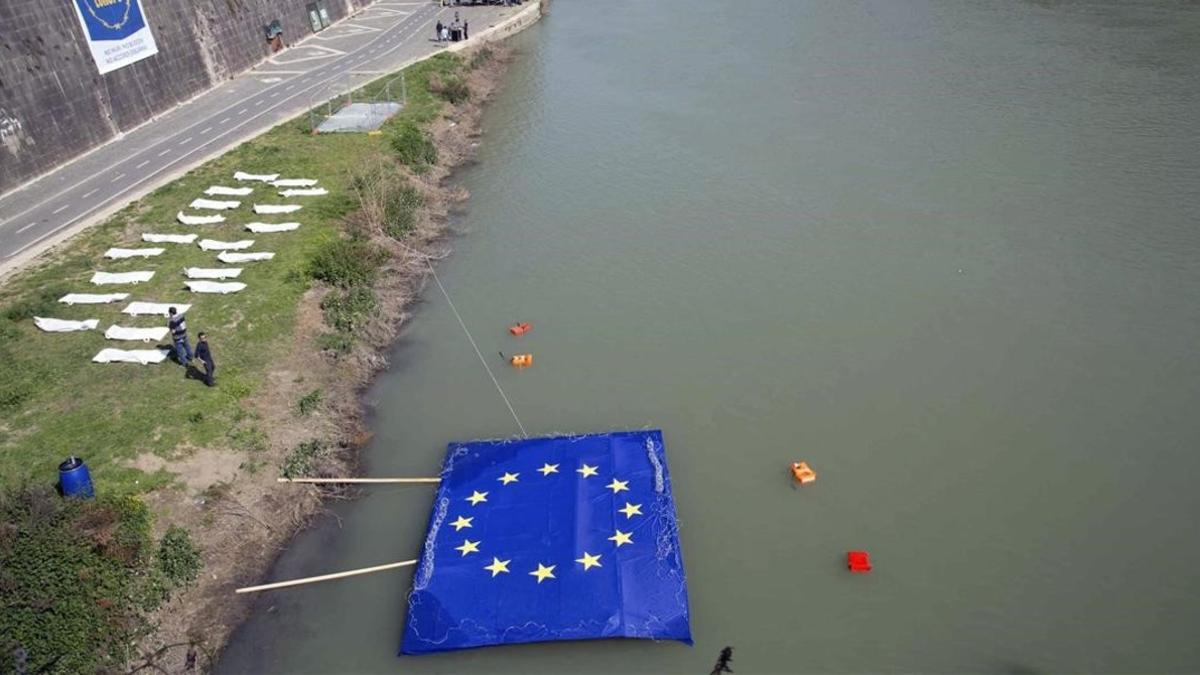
(438, 31)
(466, 26)
(178, 327)
(205, 354)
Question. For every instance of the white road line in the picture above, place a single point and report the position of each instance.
(60, 209)
(89, 193)
(164, 152)
(257, 103)
(223, 121)
(117, 177)
(186, 141)
(26, 227)
(205, 130)
(241, 111)
(144, 163)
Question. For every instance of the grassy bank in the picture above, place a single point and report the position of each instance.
(55, 402)
(291, 350)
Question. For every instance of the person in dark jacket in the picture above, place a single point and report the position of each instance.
(205, 354)
(466, 27)
(178, 325)
(438, 34)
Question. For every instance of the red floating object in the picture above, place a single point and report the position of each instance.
(858, 561)
(520, 328)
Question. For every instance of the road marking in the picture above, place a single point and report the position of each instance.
(165, 152)
(60, 209)
(26, 228)
(241, 111)
(117, 178)
(257, 103)
(89, 193)
(223, 121)
(186, 141)
(144, 163)
(205, 130)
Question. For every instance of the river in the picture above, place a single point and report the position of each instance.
(946, 252)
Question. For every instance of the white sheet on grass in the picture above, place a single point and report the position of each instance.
(154, 334)
(295, 182)
(261, 177)
(169, 238)
(214, 204)
(142, 356)
(121, 277)
(276, 208)
(217, 245)
(119, 253)
(232, 257)
(213, 273)
(215, 286)
(64, 325)
(154, 308)
(304, 192)
(92, 298)
(259, 228)
(188, 219)
(228, 191)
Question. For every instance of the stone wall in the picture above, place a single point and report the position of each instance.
(54, 104)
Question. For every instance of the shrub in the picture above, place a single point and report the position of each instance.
(480, 57)
(338, 343)
(348, 262)
(386, 200)
(42, 303)
(452, 89)
(78, 578)
(413, 146)
(178, 558)
(309, 402)
(346, 311)
(300, 461)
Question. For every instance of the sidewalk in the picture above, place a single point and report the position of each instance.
(379, 39)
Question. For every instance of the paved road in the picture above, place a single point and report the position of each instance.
(360, 48)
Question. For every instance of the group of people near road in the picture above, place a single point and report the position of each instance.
(452, 32)
(177, 323)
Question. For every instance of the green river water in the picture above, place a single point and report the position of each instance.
(947, 252)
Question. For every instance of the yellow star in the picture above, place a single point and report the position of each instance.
(586, 471)
(468, 546)
(461, 523)
(508, 478)
(497, 566)
(589, 561)
(548, 469)
(631, 510)
(543, 573)
(621, 538)
(477, 497)
(618, 485)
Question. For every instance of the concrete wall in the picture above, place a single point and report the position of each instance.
(54, 104)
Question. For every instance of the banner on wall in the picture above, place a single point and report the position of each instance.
(116, 32)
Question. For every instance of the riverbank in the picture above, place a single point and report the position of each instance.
(294, 349)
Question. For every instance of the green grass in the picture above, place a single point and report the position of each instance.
(55, 402)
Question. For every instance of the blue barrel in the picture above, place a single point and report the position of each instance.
(75, 480)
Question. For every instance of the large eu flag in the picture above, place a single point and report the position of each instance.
(562, 538)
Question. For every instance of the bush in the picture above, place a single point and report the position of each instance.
(347, 311)
(452, 89)
(413, 146)
(386, 200)
(178, 558)
(42, 303)
(300, 461)
(309, 402)
(338, 343)
(480, 57)
(348, 262)
(78, 578)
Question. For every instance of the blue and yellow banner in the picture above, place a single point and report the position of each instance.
(116, 32)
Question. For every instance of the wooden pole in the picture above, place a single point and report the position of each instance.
(327, 577)
(359, 480)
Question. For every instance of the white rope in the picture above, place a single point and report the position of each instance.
(482, 360)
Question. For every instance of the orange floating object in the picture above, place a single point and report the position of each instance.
(520, 328)
(858, 561)
(803, 473)
(522, 360)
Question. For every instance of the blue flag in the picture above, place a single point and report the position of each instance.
(563, 538)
